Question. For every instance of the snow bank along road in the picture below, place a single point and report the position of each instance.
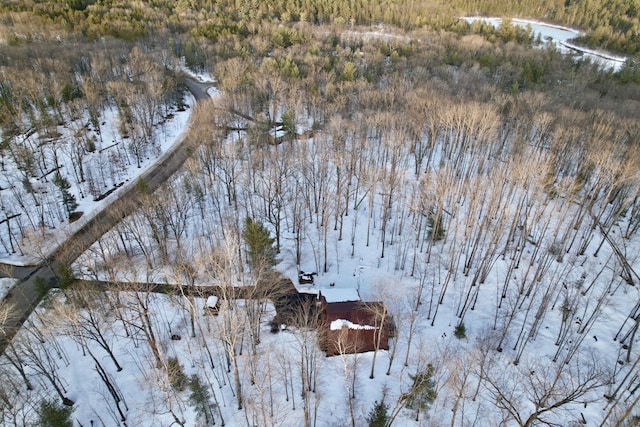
(35, 281)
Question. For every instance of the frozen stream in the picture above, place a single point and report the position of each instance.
(560, 37)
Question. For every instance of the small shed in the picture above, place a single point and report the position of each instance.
(352, 326)
(212, 306)
(305, 278)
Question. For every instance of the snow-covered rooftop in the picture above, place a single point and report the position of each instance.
(212, 301)
(340, 294)
(338, 324)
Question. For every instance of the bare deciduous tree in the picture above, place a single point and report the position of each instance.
(550, 388)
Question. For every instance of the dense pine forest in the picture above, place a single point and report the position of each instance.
(485, 186)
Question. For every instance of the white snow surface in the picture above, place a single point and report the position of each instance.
(340, 294)
(271, 378)
(37, 245)
(338, 324)
(5, 286)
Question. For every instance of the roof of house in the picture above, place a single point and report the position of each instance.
(338, 295)
(343, 307)
(357, 312)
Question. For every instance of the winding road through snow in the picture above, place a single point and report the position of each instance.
(34, 281)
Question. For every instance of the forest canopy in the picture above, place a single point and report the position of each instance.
(610, 24)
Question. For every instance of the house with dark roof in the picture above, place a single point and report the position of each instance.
(352, 325)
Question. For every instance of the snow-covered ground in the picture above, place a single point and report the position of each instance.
(548, 309)
(39, 243)
(274, 399)
(273, 394)
(554, 306)
(5, 286)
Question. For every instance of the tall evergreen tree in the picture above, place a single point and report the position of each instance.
(261, 247)
(423, 391)
(378, 416)
(200, 398)
(68, 199)
(54, 415)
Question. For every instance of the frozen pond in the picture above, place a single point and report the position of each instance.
(561, 38)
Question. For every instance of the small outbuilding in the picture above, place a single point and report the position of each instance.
(350, 325)
(306, 278)
(212, 307)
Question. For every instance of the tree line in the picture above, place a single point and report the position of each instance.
(611, 25)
